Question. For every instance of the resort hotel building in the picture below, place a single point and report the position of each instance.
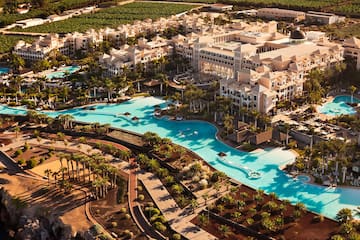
(257, 65)
(352, 50)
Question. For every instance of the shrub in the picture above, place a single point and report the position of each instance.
(296, 214)
(141, 197)
(318, 218)
(31, 163)
(159, 226)
(123, 210)
(128, 234)
(249, 221)
(337, 237)
(139, 188)
(176, 236)
(18, 152)
(21, 161)
(127, 216)
(114, 224)
(97, 229)
(26, 147)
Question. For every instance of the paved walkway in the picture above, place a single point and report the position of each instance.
(134, 206)
(179, 219)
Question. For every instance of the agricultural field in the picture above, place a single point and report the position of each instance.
(343, 7)
(7, 42)
(55, 6)
(111, 17)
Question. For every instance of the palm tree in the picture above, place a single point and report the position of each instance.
(344, 215)
(16, 62)
(255, 114)
(236, 215)
(17, 130)
(228, 123)
(225, 230)
(352, 89)
(48, 172)
(177, 189)
(194, 204)
(109, 85)
(97, 185)
(76, 158)
(243, 111)
(62, 170)
(106, 127)
(287, 128)
(68, 160)
(55, 175)
(203, 220)
(66, 120)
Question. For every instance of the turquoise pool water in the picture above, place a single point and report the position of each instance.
(60, 73)
(4, 70)
(303, 178)
(200, 137)
(338, 106)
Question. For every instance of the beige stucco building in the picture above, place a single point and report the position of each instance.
(278, 14)
(258, 65)
(352, 50)
(130, 56)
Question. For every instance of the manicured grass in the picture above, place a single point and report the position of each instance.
(111, 17)
(7, 42)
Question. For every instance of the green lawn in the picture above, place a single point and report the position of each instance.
(7, 42)
(111, 17)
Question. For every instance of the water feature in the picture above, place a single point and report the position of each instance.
(61, 72)
(200, 137)
(4, 70)
(339, 106)
(303, 178)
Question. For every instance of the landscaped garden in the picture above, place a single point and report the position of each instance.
(246, 212)
(111, 17)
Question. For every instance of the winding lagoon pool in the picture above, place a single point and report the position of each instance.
(200, 137)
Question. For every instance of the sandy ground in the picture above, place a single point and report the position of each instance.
(54, 165)
(68, 207)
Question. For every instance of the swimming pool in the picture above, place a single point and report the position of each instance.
(200, 137)
(60, 73)
(338, 106)
(4, 70)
